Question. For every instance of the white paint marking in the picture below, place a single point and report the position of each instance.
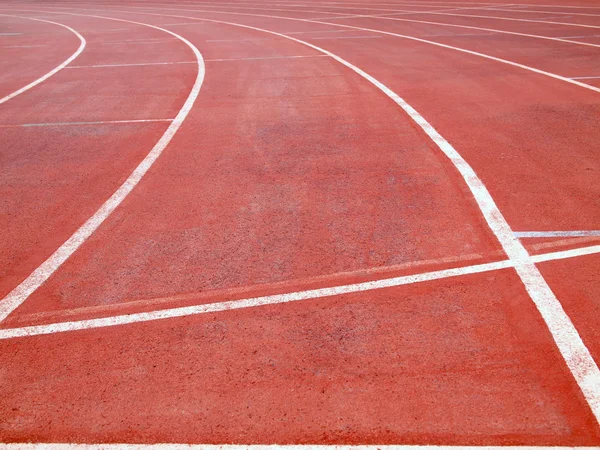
(100, 122)
(145, 41)
(438, 44)
(133, 64)
(565, 335)
(20, 293)
(405, 11)
(266, 57)
(10, 34)
(53, 71)
(24, 46)
(543, 234)
(317, 31)
(577, 37)
(180, 23)
(491, 30)
(248, 303)
(346, 37)
(586, 78)
(565, 254)
(194, 62)
(237, 40)
(60, 327)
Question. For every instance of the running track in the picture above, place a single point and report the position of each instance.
(300, 222)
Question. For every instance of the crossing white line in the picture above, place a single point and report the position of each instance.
(572, 348)
(542, 234)
(60, 327)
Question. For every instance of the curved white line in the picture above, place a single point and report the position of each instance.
(565, 335)
(409, 11)
(412, 38)
(386, 17)
(493, 30)
(19, 294)
(57, 68)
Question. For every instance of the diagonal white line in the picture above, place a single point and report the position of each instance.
(383, 283)
(542, 234)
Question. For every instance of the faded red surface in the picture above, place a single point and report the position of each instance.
(293, 174)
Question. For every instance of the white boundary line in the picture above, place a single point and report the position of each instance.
(542, 234)
(20, 293)
(132, 64)
(170, 313)
(572, 348)
(389, 10)
(440, 13)
(437, 44)
(257, 58)
(248, 302)
(273, 447)
(57, 68)
(99, 122)
(492, 30)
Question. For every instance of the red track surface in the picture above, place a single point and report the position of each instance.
(292, 172)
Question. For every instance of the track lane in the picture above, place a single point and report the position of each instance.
(340, 232)
(24, 56)
(249, 16)
(45, 222)
(56, 69)
(442, 363)
(553, 418)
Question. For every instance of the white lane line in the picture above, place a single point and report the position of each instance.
(531, 11)
(543, 234)
(11, 34)
(565, 335)
(345, 37)
(266, 57)
(60, 327)
(491, 30)
(132, 64)
(257, 58)
(237, 40)
(57, 68)
(24, 46)
(138, 40)
(317, 31)
(179, 23)
(425, 41)
(20, 293)
(100, 122)
(149, 41)
(566, 254)
(586, 78)
(407, 11)
(248, 302)
(577, 37)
